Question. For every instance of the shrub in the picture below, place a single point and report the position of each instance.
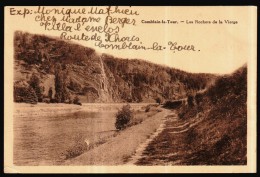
(53, 100)
(75, 151)
(25, 94)
(198, 98)
(82, 145)
(79, 147)
(147, 108)
(158, 100)
(191, 135)
(123, 117)
(172, 104)
(46, 100)
(76, 101)
(182, 112)
(190, 100)
(222, 144)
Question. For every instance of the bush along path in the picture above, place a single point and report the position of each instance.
(168, 145)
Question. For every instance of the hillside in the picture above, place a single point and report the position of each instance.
(210, 130)
(97, 77)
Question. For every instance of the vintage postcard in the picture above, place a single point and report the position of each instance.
(130, 89)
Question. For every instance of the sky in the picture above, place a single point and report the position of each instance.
(220, 48)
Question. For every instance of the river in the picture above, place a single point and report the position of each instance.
(42, 140)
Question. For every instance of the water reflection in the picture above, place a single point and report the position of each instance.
(42, 140)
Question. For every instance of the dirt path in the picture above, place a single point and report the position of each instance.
(139, 152)
(169, 146)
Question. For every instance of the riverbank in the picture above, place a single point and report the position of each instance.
(45, 134)
(51, 109)
(119, 149)
(44, 109)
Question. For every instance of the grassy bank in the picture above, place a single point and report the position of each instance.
(211, 131)
(118, 149)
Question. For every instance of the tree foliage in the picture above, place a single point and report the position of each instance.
(123, 117)
(128, 80)
(50, 93)
(142, 76)
(61, 93)
(34, 83)
(25, 94)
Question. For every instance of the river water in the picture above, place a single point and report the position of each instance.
(42, 140)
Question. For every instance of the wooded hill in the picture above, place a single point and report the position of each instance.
(62, 70)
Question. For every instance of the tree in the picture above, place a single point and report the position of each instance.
(25, 94)
(34, 83)
(50, 93)
(61, 93)
(64, 93)
(58, 83)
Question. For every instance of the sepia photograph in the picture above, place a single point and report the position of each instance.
(130, 89)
